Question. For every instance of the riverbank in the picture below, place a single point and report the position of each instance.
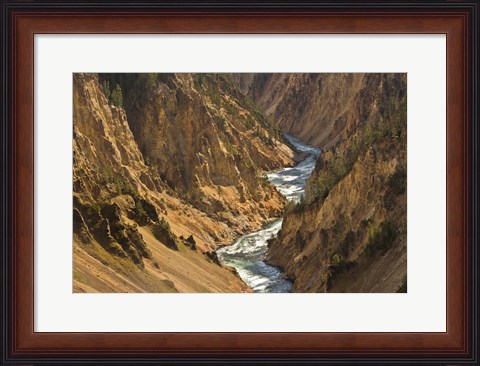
(247, 253)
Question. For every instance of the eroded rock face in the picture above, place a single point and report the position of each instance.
(316, 108)
(191, 159)
(207, 142)
(349, 234)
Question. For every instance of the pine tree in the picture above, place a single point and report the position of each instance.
(106, 88)
(151, 81)
(117, 96)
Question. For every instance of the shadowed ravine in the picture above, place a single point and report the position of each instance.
(247, 252)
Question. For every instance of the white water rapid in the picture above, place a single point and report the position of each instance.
(246, 254)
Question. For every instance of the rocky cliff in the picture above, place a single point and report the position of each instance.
(166, 169)
(348, 234)
(316, 108)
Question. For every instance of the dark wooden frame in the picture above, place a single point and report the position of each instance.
(21, 20)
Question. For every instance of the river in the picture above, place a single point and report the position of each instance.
(246, 254)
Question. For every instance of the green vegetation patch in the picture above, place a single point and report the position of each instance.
(381, 238)
(164, 234)
(338, 265)
(292, 206)
(380, 135)
(396, 185)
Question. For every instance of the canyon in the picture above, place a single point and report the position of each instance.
(171, 169)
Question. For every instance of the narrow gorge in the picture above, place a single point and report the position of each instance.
(248, 252)
(239, 182)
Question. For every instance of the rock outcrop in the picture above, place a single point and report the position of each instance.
(207, 142)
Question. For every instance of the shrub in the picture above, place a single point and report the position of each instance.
(396, 185)
(197, 82)
(116, 97)
(301, 203)
(381, 238)
(164, 224)
(346, 244)
(106, 88)
(122, 186)
(333, 170)
(249, 122)
(293, 206)
(290, 206)
(397, 182)
(261, 135)
(140, 213)
(163, 233)
(338, 265)
(190, 241)
(151, 81)
(300, 241)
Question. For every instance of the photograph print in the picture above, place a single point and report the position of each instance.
(239, 183)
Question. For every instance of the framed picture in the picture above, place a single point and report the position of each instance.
(217, 182)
